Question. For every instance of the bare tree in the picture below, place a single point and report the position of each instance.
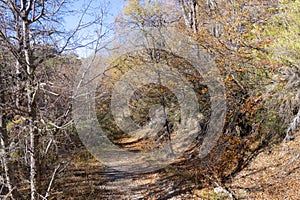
(31, 32)
(189, 12)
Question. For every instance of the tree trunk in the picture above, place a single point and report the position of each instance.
(35, 180)
(5, 157)
(190, 14)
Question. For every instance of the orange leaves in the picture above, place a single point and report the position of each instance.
(251, 106)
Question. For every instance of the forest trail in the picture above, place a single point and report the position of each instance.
(87, 178)
(273, 174)
(94, 181)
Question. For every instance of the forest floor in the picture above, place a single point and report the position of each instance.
(273, 174)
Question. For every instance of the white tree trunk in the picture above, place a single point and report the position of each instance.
(31, 107)
(189, 12)
(5, 163)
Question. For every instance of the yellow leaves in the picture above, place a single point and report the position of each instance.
(228, 78)
(204, 90)
(137, 14)
(284, 1)
(243, 70)
(132, 6)
(200, 116)
(16, 121)
(234, 141)
(284, 30)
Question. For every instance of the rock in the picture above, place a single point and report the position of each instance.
(222, 191)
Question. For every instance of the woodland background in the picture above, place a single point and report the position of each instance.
(256, 48)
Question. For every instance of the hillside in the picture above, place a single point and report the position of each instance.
(273, 174)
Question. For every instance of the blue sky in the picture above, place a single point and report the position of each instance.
(113, 8)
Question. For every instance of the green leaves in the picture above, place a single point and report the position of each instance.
(284, 29)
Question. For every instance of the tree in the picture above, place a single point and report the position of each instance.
(189, 12)
(281, 32)
(31, 33)
(142, 14)
(226, 30)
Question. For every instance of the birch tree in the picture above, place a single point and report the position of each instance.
(189, 13)
(31, 32)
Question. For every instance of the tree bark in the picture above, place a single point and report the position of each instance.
(35, 179)
(5, 157)
(189, 12)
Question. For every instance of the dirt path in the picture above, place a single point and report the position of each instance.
(93, 181)
(273, 174)
(89, 179)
